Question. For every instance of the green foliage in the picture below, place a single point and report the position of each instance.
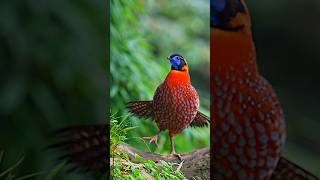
(55, 171)
(122, 167)
(10, 174)
(130, 54)
(118, 130)
(143, 34)
(138, 65)
(52, 74)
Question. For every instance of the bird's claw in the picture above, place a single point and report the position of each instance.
(152, 139)
(173, 156)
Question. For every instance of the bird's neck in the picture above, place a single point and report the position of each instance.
(232, 51)
(178, 77)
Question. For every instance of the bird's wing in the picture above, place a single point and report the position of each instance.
(200, 120)
(86, 147)
(141, 108)
(289, 170)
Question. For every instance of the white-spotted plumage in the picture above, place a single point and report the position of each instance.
(248, 129)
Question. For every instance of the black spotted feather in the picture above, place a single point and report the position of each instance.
(85, 147)
(200, 120)
(287, 170)
(141, 108)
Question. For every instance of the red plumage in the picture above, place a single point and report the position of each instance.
(175, 103)
(249, 127)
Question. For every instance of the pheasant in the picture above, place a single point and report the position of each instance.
(175, 104)
(174, 107)
(249, 126)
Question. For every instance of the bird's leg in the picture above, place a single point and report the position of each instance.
(172, 152)
(153, 138)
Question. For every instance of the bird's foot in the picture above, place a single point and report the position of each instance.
(174, 155)
(152, 139)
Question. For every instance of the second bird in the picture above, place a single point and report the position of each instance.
(175, 104)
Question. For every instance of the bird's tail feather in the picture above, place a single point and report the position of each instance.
(141, 108)
(86, 147)
(289, 170)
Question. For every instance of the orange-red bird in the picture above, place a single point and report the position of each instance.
(175, 103)
(249, 126)
(174, 107)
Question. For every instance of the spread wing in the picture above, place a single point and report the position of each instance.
(200, 120)
(289, 170)
(141, 108)
(85, 147)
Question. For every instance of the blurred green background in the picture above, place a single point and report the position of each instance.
(143, 35)
(287, 37)
(53, 69)
(53, 73)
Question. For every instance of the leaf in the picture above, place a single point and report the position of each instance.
(1, 156)
(12, 167)
(179, 167)
(30, 175)
(54, 172)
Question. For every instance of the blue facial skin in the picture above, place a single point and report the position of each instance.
(216, 7)
(176, 61)
(222, 11)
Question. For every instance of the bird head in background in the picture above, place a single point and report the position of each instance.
(231, 32)
(178, 62)
(229, 15)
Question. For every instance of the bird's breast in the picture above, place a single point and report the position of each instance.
(249, 127)
(175, 106)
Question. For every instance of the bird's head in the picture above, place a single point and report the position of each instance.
(178, 62)
(229, 15)
(179, 70)
(231, 38)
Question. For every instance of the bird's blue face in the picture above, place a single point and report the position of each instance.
(177, 62)
(223, 11)
(216, 7)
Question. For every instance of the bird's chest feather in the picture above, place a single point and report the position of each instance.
(249, 127)
(175, 105)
